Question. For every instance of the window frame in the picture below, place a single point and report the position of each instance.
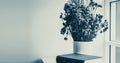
(110, 45)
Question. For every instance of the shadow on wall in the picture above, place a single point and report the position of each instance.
(38, 61)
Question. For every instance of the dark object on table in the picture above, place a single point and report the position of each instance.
(38, 61)
(74, 58)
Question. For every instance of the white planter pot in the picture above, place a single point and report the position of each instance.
(83, 47)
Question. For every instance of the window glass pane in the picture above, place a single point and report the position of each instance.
(118, 21)
(115, 21)
(117, 54)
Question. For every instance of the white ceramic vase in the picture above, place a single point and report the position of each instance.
(83, 47)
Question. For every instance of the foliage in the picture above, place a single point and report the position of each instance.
(81, 21)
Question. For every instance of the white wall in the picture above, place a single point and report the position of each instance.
(14, 23)
(45, 25)
(30, 29)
